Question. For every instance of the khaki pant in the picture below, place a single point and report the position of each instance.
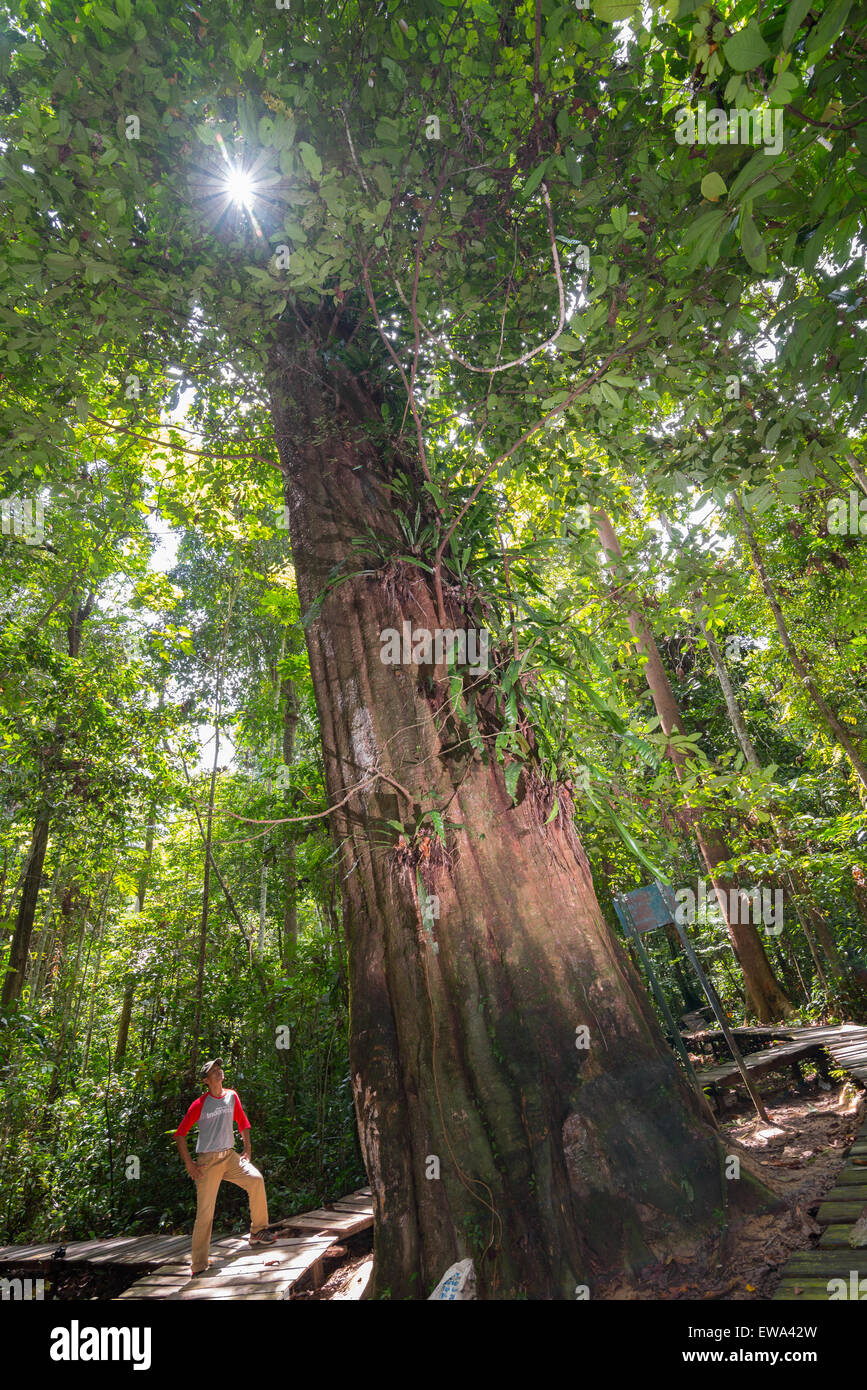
(224, 1163)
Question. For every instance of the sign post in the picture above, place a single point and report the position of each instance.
(621, 907)
(644, 910)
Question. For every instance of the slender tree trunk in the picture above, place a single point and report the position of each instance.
(206, 885)
(123, 1026)
(290, 888)
(263, 870)
(747, 747)
(96, 969)
(55, 1086)
(763, 988)
(557, 1164)
(43, 944)
(837, 730)
(17, 964)
(206, 900)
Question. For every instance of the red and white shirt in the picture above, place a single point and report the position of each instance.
(215, 1116)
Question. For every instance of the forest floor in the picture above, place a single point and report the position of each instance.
(349, 1278)
(797, 1156)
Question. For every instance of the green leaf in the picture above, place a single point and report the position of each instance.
(554, 809)
(610, 11)
(752, 244)
(310, 159)
(712, 187)
(535, 179)
(513, 772)
(254, 51)
(107, 17)
(630, 842)
(794, 18)
(829, 27)
(783, 89)
(747, 49)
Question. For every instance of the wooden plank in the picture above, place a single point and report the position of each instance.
(253, 1293)
(831, 1213)
(816, 1262)
(728, 1074)
(801, 1291)
(344, 1225)
(835, 1238)
(260, 1273)
(849, 1192)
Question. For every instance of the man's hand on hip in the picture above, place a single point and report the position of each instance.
(194, 1171)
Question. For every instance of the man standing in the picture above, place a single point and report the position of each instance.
(215, 1112)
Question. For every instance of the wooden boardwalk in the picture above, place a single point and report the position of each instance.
(806, 1275)
(846, 1044)
(237, 1269)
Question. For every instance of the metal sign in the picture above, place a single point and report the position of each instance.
(655, 906)
(648, 908)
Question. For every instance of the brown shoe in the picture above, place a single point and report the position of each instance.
(263, 1237)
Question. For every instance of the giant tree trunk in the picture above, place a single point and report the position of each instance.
(559, 1165)
(767, 996)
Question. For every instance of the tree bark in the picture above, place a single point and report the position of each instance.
(767, 995)
(123, 1026)
(290, 886)
(558, 1164)
(17, 964)
(206, 884)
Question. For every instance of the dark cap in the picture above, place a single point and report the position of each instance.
(214, 1062)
